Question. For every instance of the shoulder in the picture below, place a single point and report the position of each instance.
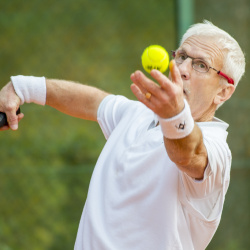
(215, 128)
(115, 110)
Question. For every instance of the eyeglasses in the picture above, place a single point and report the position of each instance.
(198, 64)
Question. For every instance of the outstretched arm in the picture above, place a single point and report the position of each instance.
(72, 98)
(167, 101)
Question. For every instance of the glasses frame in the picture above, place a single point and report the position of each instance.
(229, 79)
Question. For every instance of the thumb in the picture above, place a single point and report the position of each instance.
(12, 119)
(175, 73)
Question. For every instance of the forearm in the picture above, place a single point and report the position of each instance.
(189, 153)
(74, 99)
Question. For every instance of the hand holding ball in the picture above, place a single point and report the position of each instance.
(155, 57)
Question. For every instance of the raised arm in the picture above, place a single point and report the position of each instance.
(167, 101)
(72, 98)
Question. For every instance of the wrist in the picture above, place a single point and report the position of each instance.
(30, 89)
(179, 126)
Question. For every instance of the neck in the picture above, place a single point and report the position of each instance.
(207, 115)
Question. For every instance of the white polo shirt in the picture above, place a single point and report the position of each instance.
(138, 199)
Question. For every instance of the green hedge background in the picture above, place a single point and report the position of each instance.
(46, 165)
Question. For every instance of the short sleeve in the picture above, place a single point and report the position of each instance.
(207, 196)
(112, 110)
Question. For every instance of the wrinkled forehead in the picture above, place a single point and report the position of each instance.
(206, 48)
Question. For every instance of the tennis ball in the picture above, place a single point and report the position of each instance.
(155, 57)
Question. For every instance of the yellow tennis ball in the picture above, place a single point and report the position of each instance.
(155, 57)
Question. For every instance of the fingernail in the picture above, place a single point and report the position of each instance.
(14, 126)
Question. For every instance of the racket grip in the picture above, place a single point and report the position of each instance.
(3, 118)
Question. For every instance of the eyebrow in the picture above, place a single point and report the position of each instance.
(205, 59)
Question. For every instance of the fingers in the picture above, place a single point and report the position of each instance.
(135, 77)
(6, 127)
(165, 98)
(175, 73)
(136, 91)
(13, 119)
(144, 83)
(166, 83)
(144, 89)
(20, 117)
(9, 103)
(142, 96)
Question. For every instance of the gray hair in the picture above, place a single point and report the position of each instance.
(234, 61)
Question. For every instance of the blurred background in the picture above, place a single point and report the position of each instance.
(46, 165)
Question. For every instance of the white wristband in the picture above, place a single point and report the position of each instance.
(30, 88)
(179, 126)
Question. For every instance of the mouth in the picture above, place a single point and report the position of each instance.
(186, 91)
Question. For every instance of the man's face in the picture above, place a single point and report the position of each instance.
(200, 89)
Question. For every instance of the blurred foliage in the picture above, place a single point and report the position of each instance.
(47, 164)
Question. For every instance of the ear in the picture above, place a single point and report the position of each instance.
(224, 93)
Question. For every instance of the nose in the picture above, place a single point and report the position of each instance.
(185, 68)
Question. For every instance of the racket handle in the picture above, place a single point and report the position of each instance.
(3, 118)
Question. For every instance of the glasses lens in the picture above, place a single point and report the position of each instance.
(197, 64)
(180, 57)
(200, 65)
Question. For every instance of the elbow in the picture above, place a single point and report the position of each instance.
(182, 161)
(194, 167)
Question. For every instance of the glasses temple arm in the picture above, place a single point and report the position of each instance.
(229, 80)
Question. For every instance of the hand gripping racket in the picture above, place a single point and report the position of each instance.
(3, 118)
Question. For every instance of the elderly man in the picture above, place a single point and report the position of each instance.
(161, 179)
